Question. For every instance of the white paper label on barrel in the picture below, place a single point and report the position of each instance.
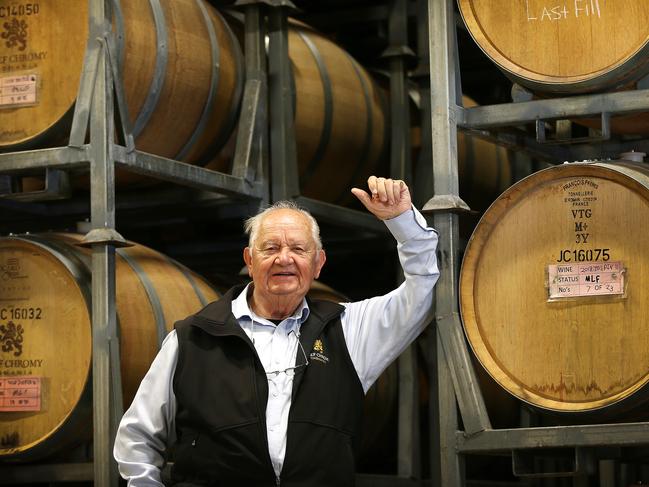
(585, 279)
(18, 90)
(20, 394)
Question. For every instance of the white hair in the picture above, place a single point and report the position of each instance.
(252, 224)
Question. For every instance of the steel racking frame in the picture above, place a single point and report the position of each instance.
(456, 385)
(266, 103)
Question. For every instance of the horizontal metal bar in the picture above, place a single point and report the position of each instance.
(55, 158)
(624, 434)
(556, 108)
(57, 187)
(330, 213)
(33, 473)
(186, 174)
(519, 141)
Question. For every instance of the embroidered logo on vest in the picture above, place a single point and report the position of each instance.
(318, 352)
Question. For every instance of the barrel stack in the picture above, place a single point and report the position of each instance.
(46, 334)
(566, 49)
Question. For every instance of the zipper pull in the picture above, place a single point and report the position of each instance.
(194, 442)
(277, 481)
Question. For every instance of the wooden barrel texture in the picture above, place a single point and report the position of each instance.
(554, 288)
(180, 64)
(582, 46)
(45, 333)
(578, 47)
(340, 117)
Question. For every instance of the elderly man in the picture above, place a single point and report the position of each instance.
(264, 387)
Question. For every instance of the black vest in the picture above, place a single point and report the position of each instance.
(221, 391)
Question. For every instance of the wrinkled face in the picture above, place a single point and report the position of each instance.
(283, 259)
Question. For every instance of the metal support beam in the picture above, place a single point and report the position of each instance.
(451, 463)
(186, 174)
(557, 108)
(444, 136)
(251, 154)
(421, 74)
(55, 158)
(623, 434)
(520, 142)
(283, 149)
(457, 368)
(408, 450)
(107, 400)
(398, 53)
(56, 187)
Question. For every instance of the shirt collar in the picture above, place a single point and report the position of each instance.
(241, 309)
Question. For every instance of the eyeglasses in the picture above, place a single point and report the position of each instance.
(290, 371)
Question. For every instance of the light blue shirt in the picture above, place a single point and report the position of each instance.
(376, 331)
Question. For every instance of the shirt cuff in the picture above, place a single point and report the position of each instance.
(407, 225)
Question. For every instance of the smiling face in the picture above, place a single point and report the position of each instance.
(283, 262)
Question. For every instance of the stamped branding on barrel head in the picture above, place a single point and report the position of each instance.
(17, 57)
(15, 33)
(581, 197)
(10, 269)
(14, 283)
(11, 338)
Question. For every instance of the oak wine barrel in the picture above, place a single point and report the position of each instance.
(181, 68)
(45, 333)
(554, 288)
(584, 46)
(340, 117)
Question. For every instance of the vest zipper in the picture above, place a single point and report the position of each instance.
(256, 363)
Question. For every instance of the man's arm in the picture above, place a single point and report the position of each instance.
(147, 426)
(377, 330)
